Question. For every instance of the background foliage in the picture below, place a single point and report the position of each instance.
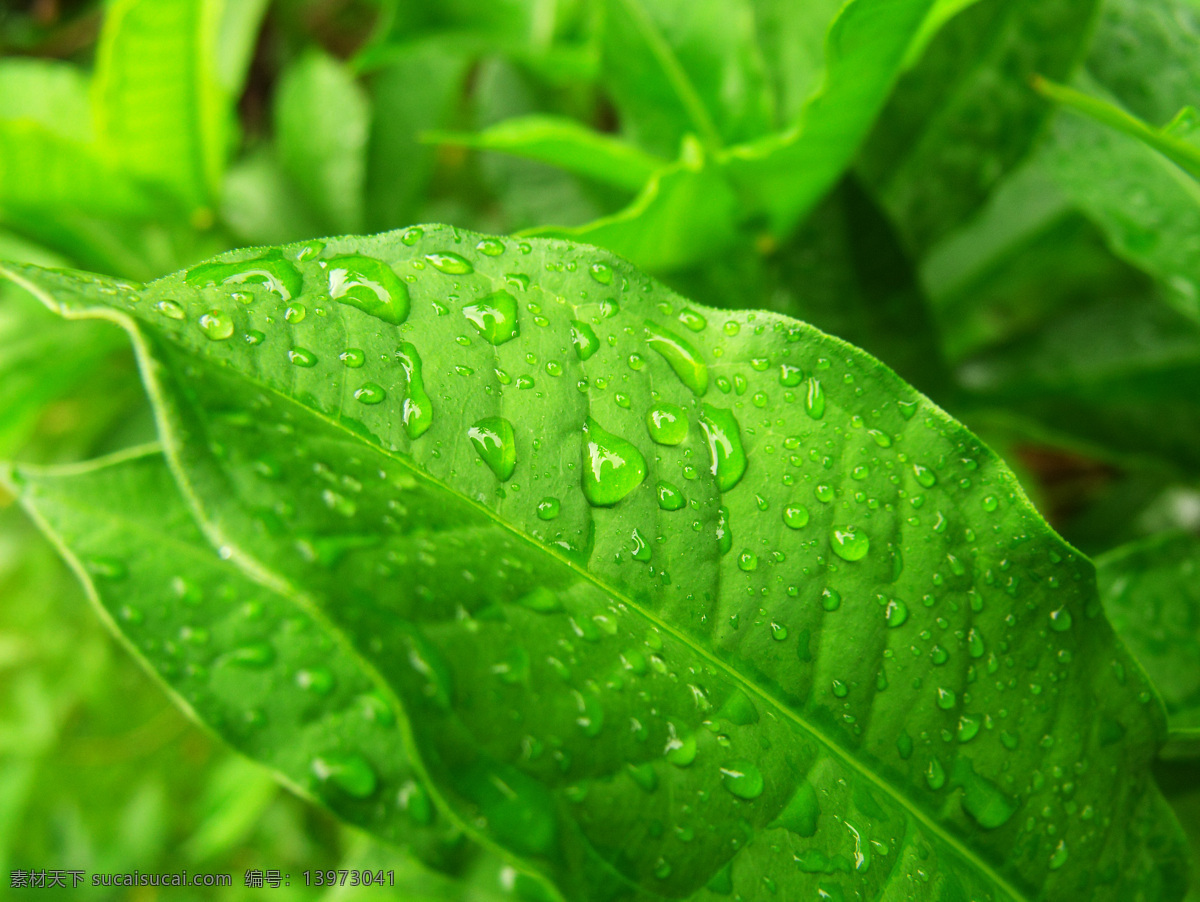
(1034, 271)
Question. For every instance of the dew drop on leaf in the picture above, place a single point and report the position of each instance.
(728, 459)
(349, 773)
(667, 424)
(302, 357)
(831, 599)
(612, 466)
(170, 310)
(849, 543)
(417, 412)
(495, 317)
(370, 285)
(277, 274)
(583, 337)
(450, 263)
(315, 679)
(601, 272)
(669, 496)
(369, 393)
(743, 779)
(490, 247)
(683, 359)
(496, 445)
(692, 320)
(353, 358)
(814, 399)
(548, 508)
(1060, 620)
(216, 325)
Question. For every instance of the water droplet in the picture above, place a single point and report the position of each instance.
(583, 337)
(602, 273)
(849, 543)
(662, 869)
(801, 813)
(975, 643)
(612, 467)
(1059, 858)
(641, 549)
(946, 698)
(272, 271)
(680, 750)
(1060, 620)
(450, 263)
(925, 476)
(412, 235)
(795, 516)
(990, 503)
(669, 497)
(496, 445)
(370, 393)
(256, 654)
(724, 446)
(349, 773)
(415, 801)
(216, 325)
(790, 376)
(548, 508)
(935, 774)
(170, 310)
(747, 561)
(315, 679)
(724, 533)
(742, 779)
(302, 357)
(831, 599)
(369, 285)
(814, 399)
(353, 358)
(692, 320)
(667, 424)
(495, 316)
(779, 632)
(295, 313)
(680, 356)
(895, 613)
(417, 412)
(490, 247)
(824, 493)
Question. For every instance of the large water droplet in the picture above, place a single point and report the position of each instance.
(216, 325)
(849, 543)
(370, 393)
(669, 496)
(450, 263)
(271, 270)
(602, 273)
(724, 446)
(801, 813)
(814, 399)
(349, 773)
(612, 467)
(417, 412)
(495, 316)
(496, 445)
(680, 355)
(1060, 620)
(795, 516)
(583, 337)
(743, 779)
(667, 424)
(369, 285)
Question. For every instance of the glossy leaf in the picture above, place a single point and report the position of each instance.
(1151, 593)
(871, 666)
(242, 659)
(564, 143)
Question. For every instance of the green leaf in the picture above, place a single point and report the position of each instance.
(1182, 153)
(686, 213)
(855, 648)
(49, 92)
(416, 93)
(678, 67)
(564, 143)
(786, 174)
(163, 92)
(1151, 593)
(260, 672)
(792, 41)
(322, 121)
(965, 116)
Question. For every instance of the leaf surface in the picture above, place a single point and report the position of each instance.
(1151, 592)
(714, 571)
(236, 656)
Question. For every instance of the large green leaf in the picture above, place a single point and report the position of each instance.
(1151, 592)
(707, 603)
(274, 685)
(965, 115)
